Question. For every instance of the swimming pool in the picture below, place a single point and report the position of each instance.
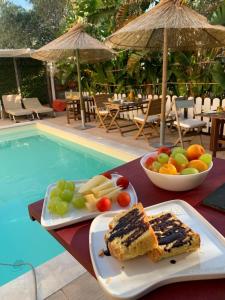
(30, 160)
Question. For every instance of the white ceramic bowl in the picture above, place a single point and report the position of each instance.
(176, 183)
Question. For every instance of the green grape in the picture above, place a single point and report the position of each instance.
(163, 158)
(181, 159)
(69, 185)
(66, 195)
(156, 166)
(54, 193)
(188, 171)
(60, 184)
(78, 201)
(206, 158)
(52, 204)
(178, 150)
(61, 208)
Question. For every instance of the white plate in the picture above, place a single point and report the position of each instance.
(51, 221)
(132, 279)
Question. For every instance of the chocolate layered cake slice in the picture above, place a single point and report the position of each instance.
(130, 234)
(174, 237)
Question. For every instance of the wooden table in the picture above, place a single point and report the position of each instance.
(117, 107)
(73, 108)
(75, 237)
(217, 138)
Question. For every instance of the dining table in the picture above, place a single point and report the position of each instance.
(73, 107)
(120, 107)
(75, 238)
(217, 138)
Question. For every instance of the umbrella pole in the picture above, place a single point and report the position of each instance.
(80, 90)
(164, 88)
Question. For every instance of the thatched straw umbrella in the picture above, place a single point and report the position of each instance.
(76, 42)
(170, 25)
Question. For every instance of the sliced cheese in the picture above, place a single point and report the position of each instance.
(104, 186)
(92, 183)
(105, 192)
(90, 202)
(113, 195)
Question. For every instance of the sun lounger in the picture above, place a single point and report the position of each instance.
(13, 107)
(36, 107)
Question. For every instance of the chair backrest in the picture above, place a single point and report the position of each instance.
(180, 103)
(73, 95)
(154, 107)
(100, 99)
(12, 102)
(31, 103)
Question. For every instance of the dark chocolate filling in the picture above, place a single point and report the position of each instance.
(130, 224)
(169, 230)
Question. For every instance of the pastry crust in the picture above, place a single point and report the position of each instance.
(130, 234)
(174, 237)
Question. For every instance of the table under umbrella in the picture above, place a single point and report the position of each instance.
(170, 25)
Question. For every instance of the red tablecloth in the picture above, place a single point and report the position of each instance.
(75, 237)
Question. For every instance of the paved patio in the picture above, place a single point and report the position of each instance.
(85, 286)
(114, 135)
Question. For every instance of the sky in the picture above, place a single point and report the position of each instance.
(23, 3)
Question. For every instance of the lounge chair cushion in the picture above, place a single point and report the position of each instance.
(150, 119)
(43, 109)
(191, 123)
(19, 112)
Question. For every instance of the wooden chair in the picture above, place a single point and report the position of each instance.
(150, 119)
(72, 106)
(100, 109)
(185, 125)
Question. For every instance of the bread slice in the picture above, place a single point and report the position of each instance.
(130, 234)
(174, 237)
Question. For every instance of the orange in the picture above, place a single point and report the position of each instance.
(194, 151)
(198, 164)
(168, 169)
(177, 166)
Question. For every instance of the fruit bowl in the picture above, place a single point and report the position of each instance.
(176, 183)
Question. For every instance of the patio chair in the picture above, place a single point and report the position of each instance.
(13, 107)
(36, 107)
(186, 126)
(150, 119)
(100, 109)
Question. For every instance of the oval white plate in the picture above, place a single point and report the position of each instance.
(50, 221)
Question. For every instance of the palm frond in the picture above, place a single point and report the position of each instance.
(218, 17)
(130, 9)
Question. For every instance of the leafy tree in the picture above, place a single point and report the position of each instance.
(205, 7)
(20, 28)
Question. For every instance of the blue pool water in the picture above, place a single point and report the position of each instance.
(28, 165)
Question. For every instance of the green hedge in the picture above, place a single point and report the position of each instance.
(32, 75)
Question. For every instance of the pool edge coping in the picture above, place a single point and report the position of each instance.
(84, 138)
